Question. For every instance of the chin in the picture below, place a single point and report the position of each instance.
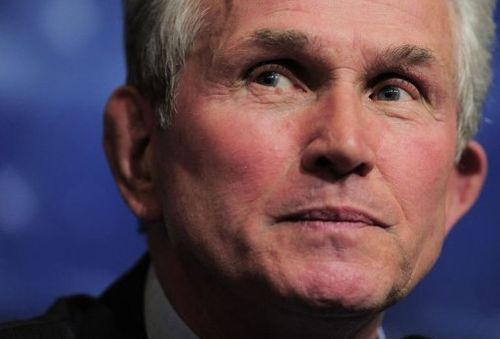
(342, 290)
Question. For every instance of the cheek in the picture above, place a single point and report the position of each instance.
(217, 178)
(224, 170)
(417, 168)
(242, 159)
(417, 164)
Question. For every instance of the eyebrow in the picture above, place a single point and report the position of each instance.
(268, 39)
(271, 41)
(286, 38)
(401, 56)
(404, 56)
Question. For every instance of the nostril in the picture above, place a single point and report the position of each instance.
(322, 162)
(364, 168)
(339, 166)
(328, 157)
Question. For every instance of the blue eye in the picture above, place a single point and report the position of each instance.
(389, 93)
(399, 90)
(268, 79)
(273, 79)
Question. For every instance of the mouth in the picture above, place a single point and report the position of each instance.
(333, 217)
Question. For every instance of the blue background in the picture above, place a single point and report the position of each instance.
(63, 226)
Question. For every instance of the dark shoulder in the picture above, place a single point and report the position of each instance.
(35, 328)
(72, 317)
(118, 313)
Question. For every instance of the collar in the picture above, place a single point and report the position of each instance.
(162, 322)
(381, 333)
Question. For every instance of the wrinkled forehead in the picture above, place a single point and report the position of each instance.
(426, 23)
(423, 9)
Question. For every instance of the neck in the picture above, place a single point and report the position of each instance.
(212, 309)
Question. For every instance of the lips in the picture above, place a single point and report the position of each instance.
(333, 216)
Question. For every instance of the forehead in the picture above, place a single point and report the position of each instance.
(432, 13)
(358, 24)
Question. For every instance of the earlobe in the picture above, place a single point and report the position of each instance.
(128, 127)
(466, 182)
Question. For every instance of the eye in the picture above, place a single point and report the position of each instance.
(276, 75)
(273, 79)
(395, 89)
(391, 93)
(276, 82)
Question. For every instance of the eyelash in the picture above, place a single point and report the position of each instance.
(407, 86)
(283, 67)
(415, 88)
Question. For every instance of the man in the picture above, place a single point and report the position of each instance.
(295, 165)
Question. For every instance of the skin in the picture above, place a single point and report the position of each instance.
(307, 181)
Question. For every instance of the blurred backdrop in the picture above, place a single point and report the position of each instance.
(63, 227)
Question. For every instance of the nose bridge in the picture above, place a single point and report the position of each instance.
(342, 121)
(340, 143)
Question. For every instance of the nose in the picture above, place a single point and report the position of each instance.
(339, 142)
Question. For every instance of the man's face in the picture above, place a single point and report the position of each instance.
(311, 156)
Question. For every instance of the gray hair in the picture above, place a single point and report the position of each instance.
(159, 34)
(474, 35)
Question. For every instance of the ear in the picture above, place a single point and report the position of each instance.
(466, 182)
(128, 127)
